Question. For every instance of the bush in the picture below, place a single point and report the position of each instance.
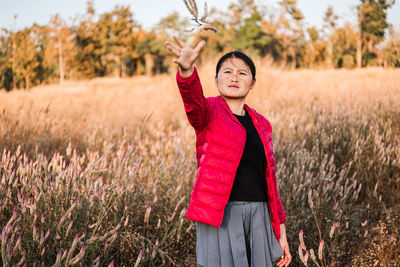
(348, 61)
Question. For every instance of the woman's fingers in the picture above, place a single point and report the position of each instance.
(287, 260)
(199, 46)
(283, 262)
(196, 51)
(186, 56)
(173, 48)
(286, 257)
(179, 41)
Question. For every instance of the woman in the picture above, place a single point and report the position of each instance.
(235, 204)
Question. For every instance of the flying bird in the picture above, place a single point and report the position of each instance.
(201, 23)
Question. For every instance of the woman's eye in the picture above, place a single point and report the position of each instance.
(243, 73)
(227, 71)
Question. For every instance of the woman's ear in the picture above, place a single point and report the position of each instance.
(253, 83)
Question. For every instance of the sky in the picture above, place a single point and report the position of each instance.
(149, 12)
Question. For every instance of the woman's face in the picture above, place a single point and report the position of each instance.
(234, 79)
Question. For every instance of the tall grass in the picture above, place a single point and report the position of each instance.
(99, 172)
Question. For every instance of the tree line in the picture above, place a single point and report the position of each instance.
(115, 44)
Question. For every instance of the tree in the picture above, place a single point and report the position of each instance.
(61, 48)
(27, 58)
(315, 49)
(344, 55)
(152, 45)
(6, 51)
(330, 25)
(239, 12)
(271, 27)
(292, 29)
(372, 23)
(219, 42)
(173, 24)
(88, 57)
(113, 33)
(242, 29)
(251, 37)
(391, 50)
(153, 51)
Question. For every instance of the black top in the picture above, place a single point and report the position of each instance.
(249, 183)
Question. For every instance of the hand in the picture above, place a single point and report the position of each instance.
(286, 258)
(186, 55)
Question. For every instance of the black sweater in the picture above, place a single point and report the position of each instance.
(249, 184)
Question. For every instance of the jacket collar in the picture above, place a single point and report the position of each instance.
(251, 112)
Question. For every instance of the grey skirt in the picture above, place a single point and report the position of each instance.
(245, 238)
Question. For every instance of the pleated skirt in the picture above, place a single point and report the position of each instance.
(245, 238)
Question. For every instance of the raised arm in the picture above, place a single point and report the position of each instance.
(195, 103)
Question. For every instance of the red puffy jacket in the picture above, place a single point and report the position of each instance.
(220, 140)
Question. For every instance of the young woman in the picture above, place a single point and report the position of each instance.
(235, 204)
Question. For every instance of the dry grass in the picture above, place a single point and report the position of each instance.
(113, 148)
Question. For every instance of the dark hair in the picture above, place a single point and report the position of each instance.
(240, 55)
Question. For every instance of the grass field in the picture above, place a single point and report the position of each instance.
(99, 172)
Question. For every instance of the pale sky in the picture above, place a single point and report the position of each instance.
(149, 12)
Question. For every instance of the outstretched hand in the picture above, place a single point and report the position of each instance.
(186, 56)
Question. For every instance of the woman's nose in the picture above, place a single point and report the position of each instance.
(234, 77)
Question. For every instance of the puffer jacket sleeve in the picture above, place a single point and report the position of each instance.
(281, 210)
(195, 104)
